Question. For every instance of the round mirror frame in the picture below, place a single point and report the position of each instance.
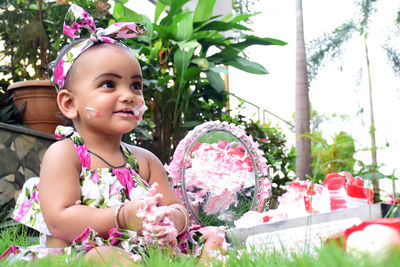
(176, 169)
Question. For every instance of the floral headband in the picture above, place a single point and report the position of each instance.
(75, 20)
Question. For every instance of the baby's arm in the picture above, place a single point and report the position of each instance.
(59, 191)
(151, 169)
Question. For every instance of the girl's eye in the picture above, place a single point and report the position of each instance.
(107, 84)
(136, 86)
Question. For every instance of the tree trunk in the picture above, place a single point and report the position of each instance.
(302, 112)
(43, 48)
(374, 162)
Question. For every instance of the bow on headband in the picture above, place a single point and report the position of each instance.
(75, 20)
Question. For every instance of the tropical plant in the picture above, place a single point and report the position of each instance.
(330, 46)
(332, 157)
(392, 51)
(31, 34)
(182, 56)
(302, 112)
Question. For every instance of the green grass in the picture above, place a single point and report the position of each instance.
(328, 255)
(16, 234)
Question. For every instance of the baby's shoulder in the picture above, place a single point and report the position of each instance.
(62, 151)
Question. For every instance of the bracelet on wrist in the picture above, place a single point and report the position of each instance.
(116, 213)
(180, 208)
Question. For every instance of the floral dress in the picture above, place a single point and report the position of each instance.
(100, 188)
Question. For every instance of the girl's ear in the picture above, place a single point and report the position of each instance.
(66, 104)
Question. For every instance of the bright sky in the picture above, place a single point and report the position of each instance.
(336, 90)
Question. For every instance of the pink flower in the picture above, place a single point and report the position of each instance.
(59, 73)
(114, 235)
(183, 247)
(12, 249)
(89, 245)
(57, 135)
(35, 196)
(83, 155)
(70, 30)
(22, 210)
(125, 179)
(107, 39)
(84, 236)
(95, 177)
(113, 190)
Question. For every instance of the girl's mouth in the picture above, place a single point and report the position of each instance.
(125, 113)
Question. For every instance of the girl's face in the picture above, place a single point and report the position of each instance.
(106, 81)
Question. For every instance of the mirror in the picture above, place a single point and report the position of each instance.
(219, 174)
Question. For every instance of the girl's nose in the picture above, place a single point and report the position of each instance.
(127, 96)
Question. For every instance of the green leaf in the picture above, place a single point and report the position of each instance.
(201, 62)
(118, 11)
(176, 7)
(148, 37)
(203, 10)
(33, 7)
(102, 203)
(369, 176)
(254, 40)
(191, 73)
(216, 81)
(160, 7)
(243, 17)
(206, 41)
(165, 2)
(226, 54)
(88, 201)
(246, 65)
(164, 32)
(123, 14)
(49, 21)
(219, 69)
(182, 60)
(217, 25)
(183, 26)
(186, 45)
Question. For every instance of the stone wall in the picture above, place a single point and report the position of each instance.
(21, 152)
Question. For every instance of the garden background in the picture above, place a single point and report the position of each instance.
(338, 94)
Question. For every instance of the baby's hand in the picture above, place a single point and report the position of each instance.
(158, 226)
(136, 209)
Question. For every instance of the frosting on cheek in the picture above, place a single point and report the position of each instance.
(92, 113)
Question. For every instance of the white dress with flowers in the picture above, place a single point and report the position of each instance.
(100, 188)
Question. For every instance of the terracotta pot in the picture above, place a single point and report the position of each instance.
(41, 110)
